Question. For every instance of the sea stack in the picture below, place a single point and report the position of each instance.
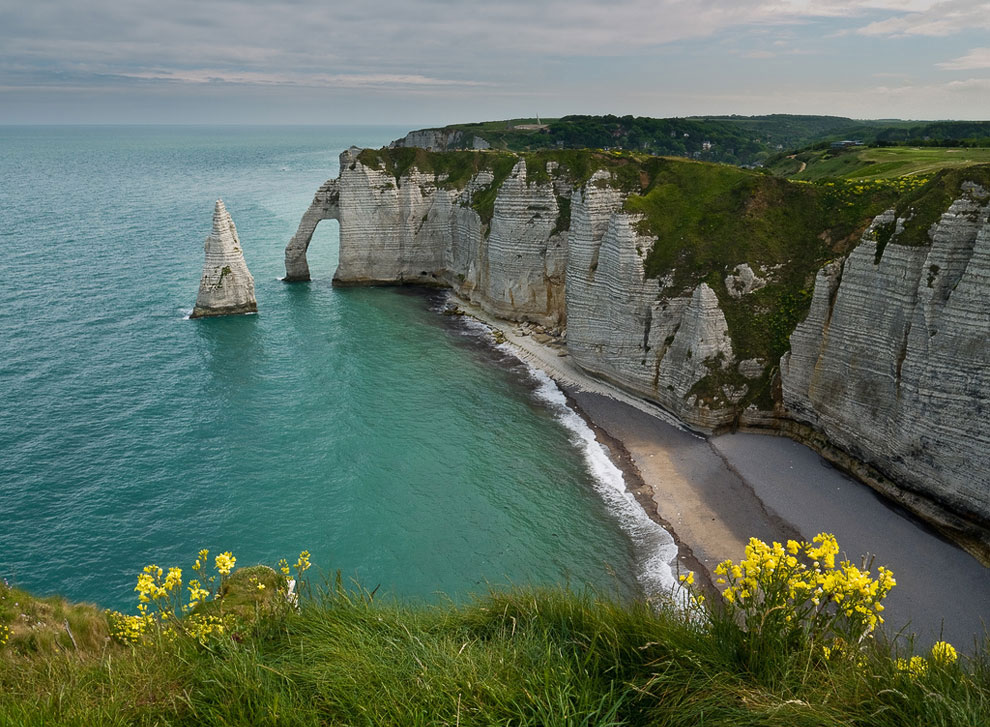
(227, 287)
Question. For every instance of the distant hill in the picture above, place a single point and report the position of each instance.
(741, 140)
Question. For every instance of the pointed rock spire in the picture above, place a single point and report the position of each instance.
(227, 287)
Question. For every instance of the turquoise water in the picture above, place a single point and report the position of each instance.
(359, 424)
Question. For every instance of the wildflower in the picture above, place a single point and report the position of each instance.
(261, 586)
(303, 563)
(173, 581)
(225, 563)
(687, 579)
(283, 565)
(196, 593)
(943, 653)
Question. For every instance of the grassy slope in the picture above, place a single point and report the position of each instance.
(878, 163)
(519, 658)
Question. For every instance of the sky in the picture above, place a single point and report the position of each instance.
(433, 62)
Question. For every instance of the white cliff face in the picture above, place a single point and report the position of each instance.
(522, 264)
(439, 140)
(390, 230)
(893, 363)
(226, 287)
(623, 327)
(413, 230)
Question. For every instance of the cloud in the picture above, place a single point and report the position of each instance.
(970, 85)
(942, 19)
(976, 58)
(433, 38)
(367, 80)
(576, 54)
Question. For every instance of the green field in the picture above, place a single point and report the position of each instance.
(877, 163)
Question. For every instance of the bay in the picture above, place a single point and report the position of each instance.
(358, 424)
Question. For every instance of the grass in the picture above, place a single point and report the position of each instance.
(524, 657)
(879, 162)
(923, 207)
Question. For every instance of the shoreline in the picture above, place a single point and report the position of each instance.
(712, 494)
(661, 460)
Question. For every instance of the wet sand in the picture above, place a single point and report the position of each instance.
(713, 494)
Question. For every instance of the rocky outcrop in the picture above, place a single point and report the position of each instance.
(892, 365)
(743, 281)
(888, 374)
(226, 287)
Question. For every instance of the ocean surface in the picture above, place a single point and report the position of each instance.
(395, 444)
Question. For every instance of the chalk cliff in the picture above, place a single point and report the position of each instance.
(440, 140)
(226, 287)
(892, 365)
(888, 371)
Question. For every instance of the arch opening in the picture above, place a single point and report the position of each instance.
(325, 206)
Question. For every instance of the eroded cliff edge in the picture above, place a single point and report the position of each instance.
(730, 298)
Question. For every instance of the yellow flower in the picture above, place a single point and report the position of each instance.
(943, 653)
(283, 565)
(261, 586)
(173, 581)
(687, 579)
(303, 562)
(225, 563)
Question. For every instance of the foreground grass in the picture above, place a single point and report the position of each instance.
(517, 658)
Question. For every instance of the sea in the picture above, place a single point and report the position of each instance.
(401, 447)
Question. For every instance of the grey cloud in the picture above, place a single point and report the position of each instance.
(437, 38)
(976, 58)
(940, 20)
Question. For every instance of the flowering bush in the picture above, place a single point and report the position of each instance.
(797, 590)
(163, 609)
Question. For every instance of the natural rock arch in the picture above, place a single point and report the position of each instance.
(325, 206)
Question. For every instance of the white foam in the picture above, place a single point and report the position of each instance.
(655, 547)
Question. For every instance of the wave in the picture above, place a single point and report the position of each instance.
(654, 547)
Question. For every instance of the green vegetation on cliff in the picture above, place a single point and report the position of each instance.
(923, 207)
(745, 140)
(766, 655)
(868, 163)
(707, 219)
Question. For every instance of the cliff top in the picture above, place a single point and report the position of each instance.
(742, 140)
